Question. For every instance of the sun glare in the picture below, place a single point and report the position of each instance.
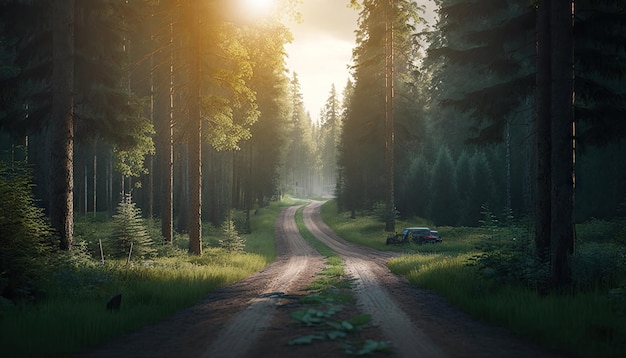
(259, 6)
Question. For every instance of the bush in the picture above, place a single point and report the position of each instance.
(512, 260)
(508, 255)
(598, 264)
(25, 235)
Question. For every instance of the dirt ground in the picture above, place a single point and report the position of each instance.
(251, 318)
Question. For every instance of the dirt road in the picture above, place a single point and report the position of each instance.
(369, 270)
(251, 318)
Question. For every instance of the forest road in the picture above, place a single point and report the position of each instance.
(416, 322)
(251, 318)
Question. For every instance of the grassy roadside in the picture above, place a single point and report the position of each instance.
(586, 324)
(72, 315)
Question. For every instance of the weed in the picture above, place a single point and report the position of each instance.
(330, 291)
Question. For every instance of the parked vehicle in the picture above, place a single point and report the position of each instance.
(436, 236)
(418, 235)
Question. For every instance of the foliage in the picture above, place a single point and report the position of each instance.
(25, 235)
(598, 265)
(511, 260)
(130, 159)
(231, 241)
(508, 256)
(362, 147)
(257, 165)
(78, 287)
(130, 237)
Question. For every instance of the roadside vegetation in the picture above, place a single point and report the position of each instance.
(62, 307)
(490, 272)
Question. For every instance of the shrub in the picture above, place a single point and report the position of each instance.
(511, 260)
(25, 235)
(598, 264)
(508, 255)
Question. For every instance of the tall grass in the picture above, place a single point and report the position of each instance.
(72, 315)
(590, 323)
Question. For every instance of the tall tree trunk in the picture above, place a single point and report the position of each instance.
(390, 222)
(195, 137)
(562, 143)
(542, 134)
(62, 122)
(151, 158)
(165, 114)
(95, 177)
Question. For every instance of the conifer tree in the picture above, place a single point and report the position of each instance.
(231, 241)
(129, 232)
(25, 235)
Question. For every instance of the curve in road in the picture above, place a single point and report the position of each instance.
(405, 337)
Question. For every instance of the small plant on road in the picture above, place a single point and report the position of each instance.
(328, 295)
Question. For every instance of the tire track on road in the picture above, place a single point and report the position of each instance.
(242, 331)
(405, 337)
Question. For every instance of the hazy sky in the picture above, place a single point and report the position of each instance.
(322, 49)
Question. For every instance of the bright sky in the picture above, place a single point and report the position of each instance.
(322, 49)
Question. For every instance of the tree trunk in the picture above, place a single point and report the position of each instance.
(542, 134)
(151, 158)
(62, 123)
(195, 137)
(165, 114)
(390, 222)
(562, 144)
(95, 177)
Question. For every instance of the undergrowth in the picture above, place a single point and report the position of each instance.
(490, 273)
(70, 315)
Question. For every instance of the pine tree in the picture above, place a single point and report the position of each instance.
(364, 171)
(25, 235)
(129, 231)
(231, 241)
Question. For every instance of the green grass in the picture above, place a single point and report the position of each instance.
(365, 230)
(333, 274)
(72, 314)
(586, 324)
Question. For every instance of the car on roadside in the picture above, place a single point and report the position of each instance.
(435, 235)
(418, 235)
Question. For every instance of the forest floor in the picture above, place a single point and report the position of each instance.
(253, 317)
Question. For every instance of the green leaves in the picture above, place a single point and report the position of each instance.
(369, 347)
(312, 316)
(329, 329)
